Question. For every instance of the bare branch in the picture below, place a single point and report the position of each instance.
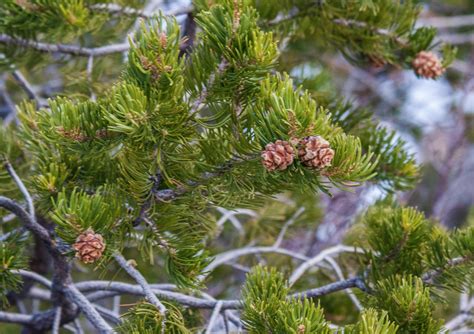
(77, 325)
(24, 191)
(15, 318)
(355, 282)
(201, 303)
(137, 290)
(57, 320)
(26, 86)
(214, 316)
(86, 307)
(189, 34)
(290, 222)
(457, 39)
(236, 253)
(320, 257)
(137, 276)
(340, 275)
(30, 224)
(108, 314)
(462, 317)
(34, 276)
(448, 21)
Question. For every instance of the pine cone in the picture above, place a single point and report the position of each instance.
(427, 65)
(314, 151)
(278, 155)
(89, 246)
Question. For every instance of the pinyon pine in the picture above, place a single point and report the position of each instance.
(164, 168)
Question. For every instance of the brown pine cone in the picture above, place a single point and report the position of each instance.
(278, 155)
(315, 151)
(427, 65)
(89, 246)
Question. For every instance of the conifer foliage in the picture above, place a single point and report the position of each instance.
(192, 124)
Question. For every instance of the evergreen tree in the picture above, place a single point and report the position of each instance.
(150, 143)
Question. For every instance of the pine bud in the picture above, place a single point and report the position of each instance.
(301, 329)
(278, 155)
(427, 65)
(89, 246)
(315, 151)
(163, 40)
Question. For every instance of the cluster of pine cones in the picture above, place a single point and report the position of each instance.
(314, 152)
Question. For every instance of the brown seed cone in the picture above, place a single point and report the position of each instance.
(315, 152)
(278, 155)
(427, 64)
(89, 246)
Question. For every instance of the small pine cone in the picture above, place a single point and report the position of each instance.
(278, 155)
(427, 65)
(314, 151)
(89, 246)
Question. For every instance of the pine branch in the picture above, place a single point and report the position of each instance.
(342, 22)
(381, 32)
(113, 8)
(430, 276)
(62, 283)
(167, 195)
(205, 90)
(64, 48)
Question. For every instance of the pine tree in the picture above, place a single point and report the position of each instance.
(125, 176)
